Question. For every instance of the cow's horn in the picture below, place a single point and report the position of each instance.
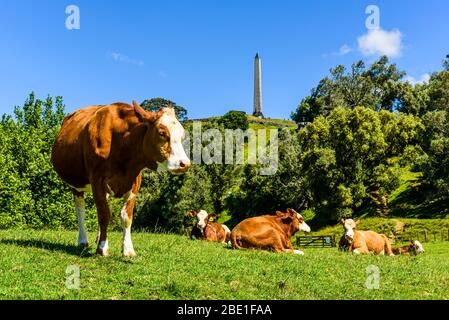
(141, 113)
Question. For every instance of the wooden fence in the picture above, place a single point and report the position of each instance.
(329, 241)
(316, 241)
(424, 236)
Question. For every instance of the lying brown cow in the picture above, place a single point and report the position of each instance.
(269, 232)
(365, 241)
(103, 149)
(413, 248)
(207, 230)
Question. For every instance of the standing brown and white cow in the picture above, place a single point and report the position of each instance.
(103, 149)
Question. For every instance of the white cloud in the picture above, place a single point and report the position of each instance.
(163, 74)
(116, 56)
(381, 42)
(413, 81)
(344, 49)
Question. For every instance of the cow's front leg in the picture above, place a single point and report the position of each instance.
(127, 218)
(104, 216)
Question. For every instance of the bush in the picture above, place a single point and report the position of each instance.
(234, 120)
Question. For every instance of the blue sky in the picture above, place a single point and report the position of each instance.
(200, 53)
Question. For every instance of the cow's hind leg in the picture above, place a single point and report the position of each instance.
(104, 215)
(127, 218)
(80, 208)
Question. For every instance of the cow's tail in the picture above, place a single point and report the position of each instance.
(387, 246)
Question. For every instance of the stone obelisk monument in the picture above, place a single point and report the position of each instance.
(257, 112)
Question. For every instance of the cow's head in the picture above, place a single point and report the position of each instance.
(203, 218)
(163, 139)
(417, 246)
(295, 219)
(350, 226)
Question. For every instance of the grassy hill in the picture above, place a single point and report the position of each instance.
(33, 266)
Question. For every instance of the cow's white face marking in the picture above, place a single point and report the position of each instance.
(128, 249)
(298, 252)
(80, 207)
(303, 226)
(177, 162)
(349, 226)
(202, 216)
(418, 246)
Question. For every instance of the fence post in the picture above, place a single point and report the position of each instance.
(434, 236)
(425, 235)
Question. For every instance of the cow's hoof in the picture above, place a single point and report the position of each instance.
(103, 248)
(299, 252)
(129, 253)
(83, 246)
(103, 252)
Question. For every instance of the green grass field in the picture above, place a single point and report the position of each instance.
(33, 266)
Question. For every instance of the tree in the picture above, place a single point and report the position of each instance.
(234, 120)
(155, 104)
(435, 165)
(31, 193)
(446, 62)
(377, 88)
(352, 156)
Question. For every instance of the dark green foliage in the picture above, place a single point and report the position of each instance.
(234, 120)
(31, 193)
(155, 104)
(377, 88)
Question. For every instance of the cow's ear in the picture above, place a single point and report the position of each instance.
(292, 212)
(287, 219)
(192, 213)
(342, 221)
(280, 214)
(211, 216)
(357, 222)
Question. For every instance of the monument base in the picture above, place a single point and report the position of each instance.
(258, 114)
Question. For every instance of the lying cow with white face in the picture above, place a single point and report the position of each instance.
(204, 229)
(413, 248)
(269, 232)
(364, 241)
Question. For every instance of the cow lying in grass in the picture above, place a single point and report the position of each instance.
(411, 249)
(364, 241)
(269, 232)
(209, 231)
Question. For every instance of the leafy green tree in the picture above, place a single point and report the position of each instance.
(353, 156)
(377, 87)
(234, 120)
(31, 193)
(155, 104)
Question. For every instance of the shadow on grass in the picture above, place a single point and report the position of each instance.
(50, 246)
